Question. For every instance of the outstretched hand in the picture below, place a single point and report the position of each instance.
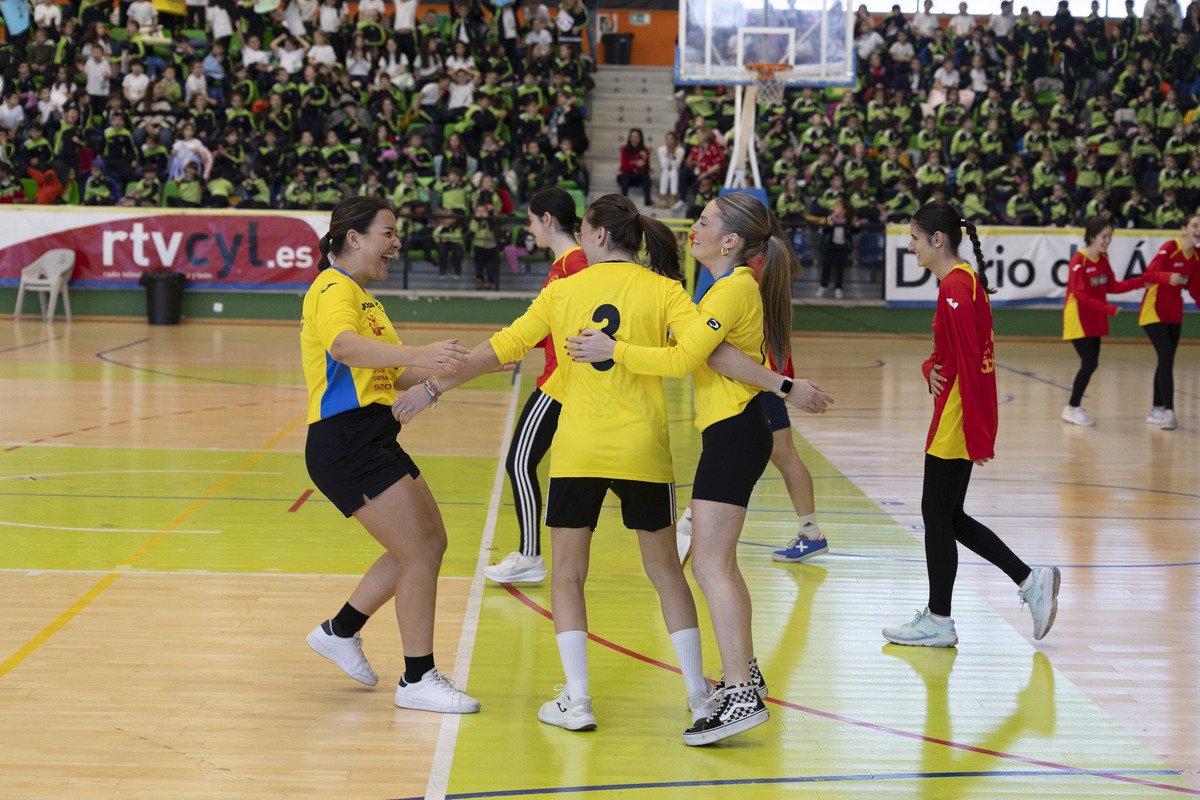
(445, 356)
(591, 346)
(808, 397)
(411, 403)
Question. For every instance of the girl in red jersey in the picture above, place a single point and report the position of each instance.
(961, 375)
(552, 221)
(1175, 266)
(1085, 310)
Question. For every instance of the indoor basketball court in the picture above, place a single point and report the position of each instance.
(165, 554)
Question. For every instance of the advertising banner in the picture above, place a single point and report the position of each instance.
(1026, 266)
(228, 250)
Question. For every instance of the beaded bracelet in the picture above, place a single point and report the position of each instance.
(434, 387)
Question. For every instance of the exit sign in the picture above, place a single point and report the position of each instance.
(639, 18)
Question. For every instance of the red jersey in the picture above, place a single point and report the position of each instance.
(965, 413)
(1085, 310)
(567, 264)
(1162, 301)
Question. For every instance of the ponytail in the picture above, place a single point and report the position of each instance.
(326, 260)
(662, 248)
(630, 231)
(973, 233)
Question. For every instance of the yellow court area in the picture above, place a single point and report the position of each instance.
(162, 556)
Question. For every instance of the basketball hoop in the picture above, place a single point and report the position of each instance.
(770, 80)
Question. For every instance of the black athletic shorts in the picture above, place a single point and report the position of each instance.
(576, 502)
(355, 454)
(735, 453)
(776, 410)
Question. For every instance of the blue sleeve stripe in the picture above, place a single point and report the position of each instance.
(340, 392)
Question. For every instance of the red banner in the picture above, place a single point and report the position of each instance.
(230, 250)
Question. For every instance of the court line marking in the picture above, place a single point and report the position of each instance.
(443, 756)
(31, 344)
(145, 471)
(871, 726)
(27, 649)
(201, 573)
(866, 776)
(103, 356)
(89, 530)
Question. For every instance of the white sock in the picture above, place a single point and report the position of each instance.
(943, 621)
(572, 649)
(808, 524)
(691, 661)
(1025, 584)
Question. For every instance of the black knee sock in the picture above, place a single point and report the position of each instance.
(415, 668)
(348, 621)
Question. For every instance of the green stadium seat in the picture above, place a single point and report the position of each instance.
(170, 189)
(30, 187)
(73, 197)
(580, 200)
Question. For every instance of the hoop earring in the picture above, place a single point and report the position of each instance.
(724, 252)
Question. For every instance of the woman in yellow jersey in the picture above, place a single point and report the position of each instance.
(737, 438)
(612, 432)
(352, 362)
(552, 221)
(1174, 267)
(961, 376)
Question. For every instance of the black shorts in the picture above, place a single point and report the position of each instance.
(735, 453)
(576, 502)
(776, 410)
(355, 454)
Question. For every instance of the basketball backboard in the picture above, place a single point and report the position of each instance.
(718, 38)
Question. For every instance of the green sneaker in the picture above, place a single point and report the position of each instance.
(1042, 597)
(922, 631)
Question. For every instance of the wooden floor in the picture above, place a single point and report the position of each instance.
(162, 557)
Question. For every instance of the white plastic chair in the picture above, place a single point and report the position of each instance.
(48, 275)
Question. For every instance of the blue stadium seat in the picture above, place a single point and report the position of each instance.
(870, 249)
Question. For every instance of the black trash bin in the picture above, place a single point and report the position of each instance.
(164, 296)
(617, 47)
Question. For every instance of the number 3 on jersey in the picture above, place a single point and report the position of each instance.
(611, 317)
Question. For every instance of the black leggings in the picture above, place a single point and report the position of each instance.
(945, 523)
(531, 439)
(1165, 338)
(1089, 357)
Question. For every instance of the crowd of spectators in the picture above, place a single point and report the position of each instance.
(1017, 118)
(453, 117)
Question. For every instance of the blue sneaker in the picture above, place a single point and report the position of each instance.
(801, 549)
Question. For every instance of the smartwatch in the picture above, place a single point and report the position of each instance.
(785, 388)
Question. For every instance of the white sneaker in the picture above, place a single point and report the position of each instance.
(1042, 597)
(573, 715)
(1169, 422)
(922, 631)
(517, 568)
(1155, 417)
(821, 291)
(683, 536)
(839, 294)
(1077, 416)
(435, 692)
(346, 653)
(704, 704)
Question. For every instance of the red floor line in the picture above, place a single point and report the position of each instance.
(300, 501)
(518, 594)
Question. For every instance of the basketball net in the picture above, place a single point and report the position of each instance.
(770, 80)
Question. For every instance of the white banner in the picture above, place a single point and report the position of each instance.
(1026, 266)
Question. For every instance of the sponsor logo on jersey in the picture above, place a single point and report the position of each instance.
(712, 323)
(953, 303)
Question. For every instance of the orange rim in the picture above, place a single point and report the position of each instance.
(767, 72)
